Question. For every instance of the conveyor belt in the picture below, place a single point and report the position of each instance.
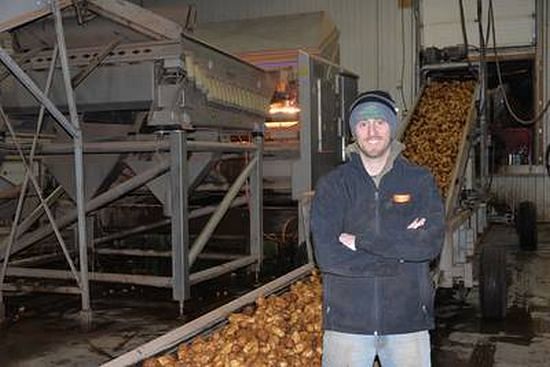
(204, 324)
(437, 135)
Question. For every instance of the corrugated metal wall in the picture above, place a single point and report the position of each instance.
(514, 189)
(370, 34)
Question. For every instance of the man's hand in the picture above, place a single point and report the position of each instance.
(347, 240)
(417, 223)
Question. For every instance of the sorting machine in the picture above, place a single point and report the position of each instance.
(160, 113)
(172, 131)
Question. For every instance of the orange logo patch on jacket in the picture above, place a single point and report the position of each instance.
(401, 198)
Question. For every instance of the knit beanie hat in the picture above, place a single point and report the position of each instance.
(374, 104)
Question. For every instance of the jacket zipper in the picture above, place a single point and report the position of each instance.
(376, 285)
(376, 308)
(370, 181)
(377, 211)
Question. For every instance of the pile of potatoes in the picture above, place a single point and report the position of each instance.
(280, 331)
(434, 133)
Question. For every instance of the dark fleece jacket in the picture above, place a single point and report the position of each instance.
(384, 286)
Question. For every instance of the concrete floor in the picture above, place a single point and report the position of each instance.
(44, 330)
(523, 338)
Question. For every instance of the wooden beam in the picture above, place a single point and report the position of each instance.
(137, 18)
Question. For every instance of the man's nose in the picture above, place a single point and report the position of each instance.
(372, 127)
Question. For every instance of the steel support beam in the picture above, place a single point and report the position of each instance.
(215, 219)
(153, 253)
(21, 12)
(132, 231)
(15, 229)
(54, 228)
(27, 288)
(38, 211)
(180, 222)
(135, 147)
(121, 278)
(96, 203)
(147, 280)
(216, 271)
(148, 227)
(256, 204)
(29, 84)
(137, 18)
(27, 55)
(80, 77)
(86, 312)
(34, 260)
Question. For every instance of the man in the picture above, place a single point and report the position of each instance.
(377, 222)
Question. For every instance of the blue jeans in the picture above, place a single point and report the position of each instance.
(358, 350)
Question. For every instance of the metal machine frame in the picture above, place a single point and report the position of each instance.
(200, 99)
(466, 220)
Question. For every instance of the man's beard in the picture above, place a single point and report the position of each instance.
(376, 154)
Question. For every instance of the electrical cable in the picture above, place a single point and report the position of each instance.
(402, 78)
(482, 44)
(482, 55)
(464, 33)
(412, 21)
(501, 83)
(463, 23)
(488, 31)
(482, 108)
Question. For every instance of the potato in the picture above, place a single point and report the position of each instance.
(270, 335)
(435, 129)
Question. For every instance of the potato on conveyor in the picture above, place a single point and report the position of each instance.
(435, 129)
(284, 330)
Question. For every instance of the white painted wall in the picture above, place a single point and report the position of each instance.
(515, 22)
